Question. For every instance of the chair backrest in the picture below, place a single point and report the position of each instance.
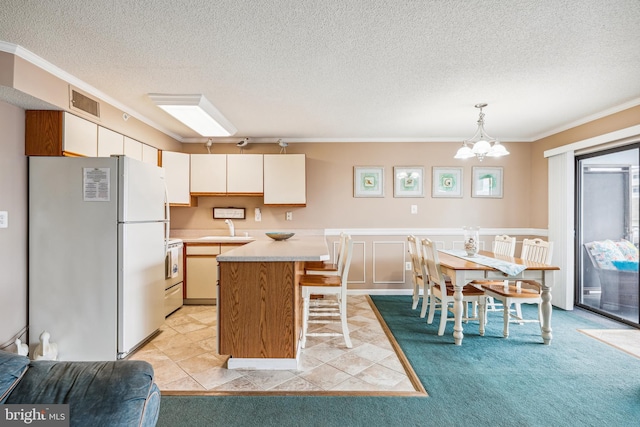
(537, 250)
(415, 253)
(431, 263)
(340, 260)
(348, 252)
(504, 245)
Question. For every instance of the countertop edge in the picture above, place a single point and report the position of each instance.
(295, 249)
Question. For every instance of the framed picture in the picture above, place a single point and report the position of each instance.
(368, 181)
(487, 182)
(408, 181)
(447, 182)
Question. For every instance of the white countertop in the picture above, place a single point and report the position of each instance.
(296, 248)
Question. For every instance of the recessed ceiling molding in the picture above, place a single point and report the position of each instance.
(196, 112)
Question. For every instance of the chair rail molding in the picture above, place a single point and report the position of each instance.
(434, 231)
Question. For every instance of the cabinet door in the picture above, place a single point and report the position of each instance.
(149, 154)
(285, 179)
(245, 174)
(132, 148)
(202, 271)
(109, 142)
(176, 166)
(80, 136)
(208, 174)
(202, 277)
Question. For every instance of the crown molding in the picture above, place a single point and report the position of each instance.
(45, 65)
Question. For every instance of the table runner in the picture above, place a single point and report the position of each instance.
(509, 268)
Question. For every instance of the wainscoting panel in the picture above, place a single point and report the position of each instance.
(357, 269)
(388, 262)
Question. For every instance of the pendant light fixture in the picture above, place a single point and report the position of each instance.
(481, 145)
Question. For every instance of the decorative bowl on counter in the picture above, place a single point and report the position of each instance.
(279, 235)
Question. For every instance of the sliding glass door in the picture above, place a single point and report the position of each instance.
(607, 233)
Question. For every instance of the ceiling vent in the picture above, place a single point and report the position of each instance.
(84, 104)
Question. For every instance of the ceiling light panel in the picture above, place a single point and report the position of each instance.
(196, 112)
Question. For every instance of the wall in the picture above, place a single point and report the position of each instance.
(539, 165)
(330, 201)
(379, 226)
(25, 77)
(13, 240)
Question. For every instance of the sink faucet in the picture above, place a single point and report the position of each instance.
(229, 223)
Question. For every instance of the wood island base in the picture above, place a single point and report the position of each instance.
(259, 304)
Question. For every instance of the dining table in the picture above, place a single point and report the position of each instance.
(462, 269)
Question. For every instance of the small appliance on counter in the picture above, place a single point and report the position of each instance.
(174, 277)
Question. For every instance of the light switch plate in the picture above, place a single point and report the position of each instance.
(4, 219)
(414, 209)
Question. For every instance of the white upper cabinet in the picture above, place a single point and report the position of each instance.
(149, 154)
(285, 179)
(245, 174)
(208, 174)
(133, 148)
(109, 142)
(80, 136)
(176, 167)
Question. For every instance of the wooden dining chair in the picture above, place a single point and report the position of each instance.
(331, 306)
(329, 268)
(518, 292)
(501, 245)
(442, 290)
(417, 278)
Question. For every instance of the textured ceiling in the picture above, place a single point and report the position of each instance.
(336, 70)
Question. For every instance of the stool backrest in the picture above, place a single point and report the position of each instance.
(348, 253)
(341, 253)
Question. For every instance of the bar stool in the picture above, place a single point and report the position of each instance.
(332, 306)
(320, 267)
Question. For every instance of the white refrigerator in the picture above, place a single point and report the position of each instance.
(97, 243)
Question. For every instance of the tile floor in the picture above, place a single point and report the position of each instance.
(184, 358)
(627, 340)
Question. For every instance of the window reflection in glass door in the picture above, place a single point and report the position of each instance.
(607, 231)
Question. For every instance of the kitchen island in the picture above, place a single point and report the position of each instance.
(259, 308)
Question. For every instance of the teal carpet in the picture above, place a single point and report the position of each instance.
(576, 381)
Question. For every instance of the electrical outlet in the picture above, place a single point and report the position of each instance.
(289, 216)
(407, 265)
(257, 215)
(414, 209)
(4, 219)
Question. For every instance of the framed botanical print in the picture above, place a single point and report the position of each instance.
(487, 182)
(408, 181)
(447, 182)
(368, 181)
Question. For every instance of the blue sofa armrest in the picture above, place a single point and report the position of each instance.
(121, 393)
